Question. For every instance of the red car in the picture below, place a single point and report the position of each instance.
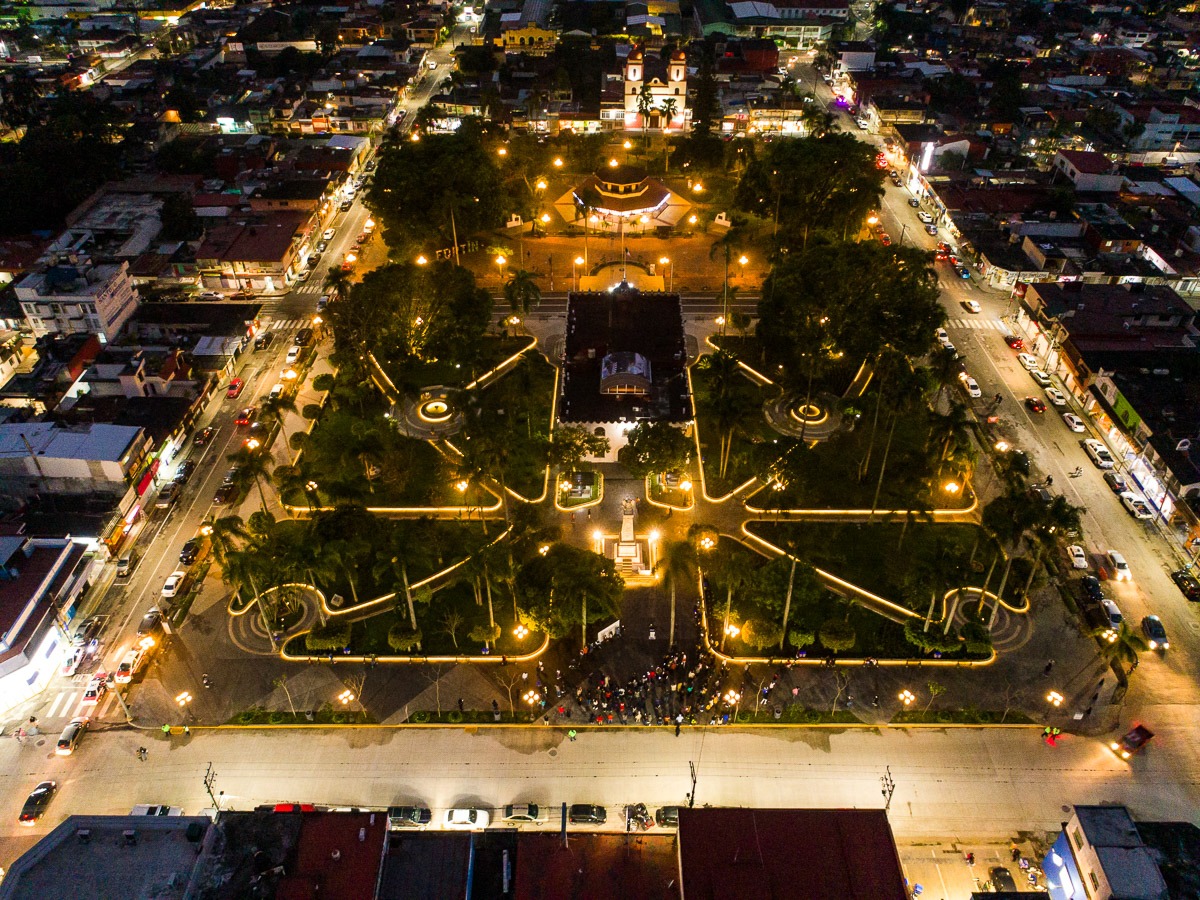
(885, 239)
(246, 416)
(1035, 404)
(235, 388)
(1015, 342)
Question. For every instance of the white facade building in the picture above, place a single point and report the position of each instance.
(665, 84)
(84, 299)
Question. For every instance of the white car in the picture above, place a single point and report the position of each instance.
(925, 217)
(1098, 453)
(1074, 422)
(466, 819)
(96, 688)
(1055, 396)
(972, 306)
(328, 235)
(1120, 568)
(293, 354)
(969, 385)
(1136, 504)
(1028, 360)
(1040, 377)
(129, 665)
(942, 336)
(173, 584)
(1078, 556)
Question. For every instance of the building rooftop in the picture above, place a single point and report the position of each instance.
(100, 441)
(337, 855)
(1089, 162)
(597, 867)
(430, 865)
(788, 854)
(624, 320)
(154, 863)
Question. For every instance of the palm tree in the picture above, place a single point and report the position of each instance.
(522, 292)
(645, 106)
(728, 400)
(290, 480)
(347, 552)
(251, 465)
(224, 534)
(1121, 647)
(1050, 523)
(677, 563)
(669, 107)
(336, 281)
(244, 568)
(273, 408)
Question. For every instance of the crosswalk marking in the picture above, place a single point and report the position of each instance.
(69, 704)
(285, 324)
(309, 287)
(977, 324)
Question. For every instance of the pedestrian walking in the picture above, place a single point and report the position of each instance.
(1049, 666)
(571, 735)
(676, 729)
(460, 704)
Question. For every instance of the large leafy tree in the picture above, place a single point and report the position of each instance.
(854, 298)
(656, 447)
(420, 185)
(567, 586)
(827, 184)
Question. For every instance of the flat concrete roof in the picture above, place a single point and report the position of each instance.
(155, 865)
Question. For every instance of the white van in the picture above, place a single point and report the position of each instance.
(145, 810)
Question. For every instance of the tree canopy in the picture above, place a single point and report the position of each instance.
(811, 185)
(567, 586)
(656, 447)
(851, 298)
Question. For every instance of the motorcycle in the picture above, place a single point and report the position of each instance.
(637, 817)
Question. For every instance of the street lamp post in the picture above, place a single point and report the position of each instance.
(500, 261)
(666, 261)
(579, 261)
(184, 699)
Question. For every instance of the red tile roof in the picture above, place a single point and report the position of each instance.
(1088, 161)
(337, 855)
(788, 854)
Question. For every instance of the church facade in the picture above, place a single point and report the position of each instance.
(664, 82)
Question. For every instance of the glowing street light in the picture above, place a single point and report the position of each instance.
(253, 444)
(311, 487)
(654, 536)
(666, 261)
(697, 188)
(613, 163)
(907, 697)
(1002, 446)
(720, 321)
(520, 632)
(544, 549)
(346, 698)
(685, 485)
(872, 219)
(951, 487)
(183, 699)
(503, 151)
(627, 145)
(732, 630)
(576, 263)
(558, 162)
(692, 219)
(461, 486)
(1055, 699)
(500, 261)
(421, 260)
(707, 543)
(541, 184)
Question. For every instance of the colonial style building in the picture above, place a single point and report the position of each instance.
(664, 82)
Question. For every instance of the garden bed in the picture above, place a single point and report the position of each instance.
(326, 715)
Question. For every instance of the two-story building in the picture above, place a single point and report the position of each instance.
(78, 299)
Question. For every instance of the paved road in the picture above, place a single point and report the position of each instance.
(966, 784)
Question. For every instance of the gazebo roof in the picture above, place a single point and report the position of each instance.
(621, 175)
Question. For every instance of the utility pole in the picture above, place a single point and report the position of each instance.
(889, 788)
(210, 778)
(691, 797)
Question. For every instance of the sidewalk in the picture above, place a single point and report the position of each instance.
(942, 870)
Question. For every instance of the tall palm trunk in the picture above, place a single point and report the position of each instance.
(408, 597)
(866, 463)
(887, 449)
(929, 615)
(787, 605)
(1000, 590)
(728, 606)
(671, 638)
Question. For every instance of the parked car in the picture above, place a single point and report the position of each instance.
(276, 391)
(524, 812)
(1187, 583)
(586, 814)
(969, 385)
(88, 632)
(328, 235)
(203, 436)
(1120, 568)
(71, 736)
(1014, 342)
(185, 470)
(235, 388)
(1090, 585)
(1001, 879)
(1132, 741)
(963, 273)
(667, 816)
(245, 416)
(943, 337)
(1156, 634)
(1116, 482)
(1035, 404)
(925, 217)
(264, 340)
(35, 804)
(1073, 422)
(1136, 505)
(408, 817)
(466, 819)
(190, 552)
(1098, 453)
(1040, 377)
(126, 563)
(293, 354)
(914, 202)
(174, 583)
(1078, 556)
(1057, 397)
(166, 496)
(1028, 360)
(972, 306)
(1112, 612)
(151, 623)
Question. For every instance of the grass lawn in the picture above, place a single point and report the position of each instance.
(887, 559)
(518, 405)
(830, 479)
(419, 373)
(753, 430)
